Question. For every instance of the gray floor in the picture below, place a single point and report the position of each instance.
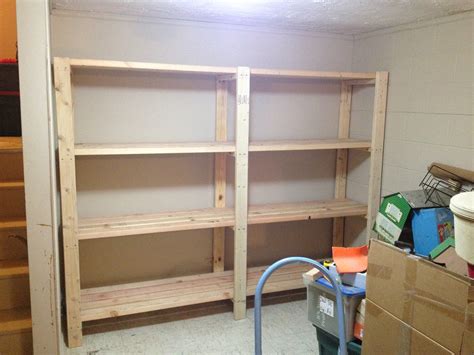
(285, 331)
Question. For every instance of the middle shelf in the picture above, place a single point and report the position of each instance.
(89, 149)
(106, 227)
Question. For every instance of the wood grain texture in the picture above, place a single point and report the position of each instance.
(220, 174)
(241, 191)
(376, 161)
(13, 268)
(16, 320)
(7, 223)
(342, 159)
(67, 177)
(12, 185)
(113, 301)
(107, 227)
(10, 145)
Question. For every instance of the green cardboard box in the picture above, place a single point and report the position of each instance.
(395, 211)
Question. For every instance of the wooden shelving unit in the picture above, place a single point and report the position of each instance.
(112, 301)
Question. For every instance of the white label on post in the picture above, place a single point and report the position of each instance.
(326, 306)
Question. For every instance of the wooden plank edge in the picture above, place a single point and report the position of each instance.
(143, 66)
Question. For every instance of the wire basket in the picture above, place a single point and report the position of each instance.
(439, 190)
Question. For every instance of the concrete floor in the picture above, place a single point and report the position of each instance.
(285, 331)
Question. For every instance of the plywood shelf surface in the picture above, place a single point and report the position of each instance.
(11, 185)
(113, 301)
(218, 147)
(16, 320)
(156, 67)
(94, 228)
(10, 144)
(12, 223)
(13, 268)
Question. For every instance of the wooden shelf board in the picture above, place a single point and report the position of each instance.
(313, 144)
(10, 144)
(157, 67)
(13, 268)
(17, 320)
(12, 223)
(94, 228)
(151, 148)
(11, 185)
(310, 74)
(218, 147)
(119, 300)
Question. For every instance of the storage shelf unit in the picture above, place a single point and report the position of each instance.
(111, 301)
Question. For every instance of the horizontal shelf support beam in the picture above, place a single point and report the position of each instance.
(157, 67)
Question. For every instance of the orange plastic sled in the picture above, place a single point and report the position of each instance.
(350, 259)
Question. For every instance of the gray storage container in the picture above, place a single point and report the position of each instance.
(322, 306)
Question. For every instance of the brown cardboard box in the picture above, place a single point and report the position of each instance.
(426, 297)
(387, 335)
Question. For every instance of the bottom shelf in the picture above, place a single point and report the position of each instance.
(120, 300)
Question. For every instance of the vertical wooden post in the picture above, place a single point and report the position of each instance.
(241, 191)
(341, 160)
(67, 175)
(378, 133)
(220, 173)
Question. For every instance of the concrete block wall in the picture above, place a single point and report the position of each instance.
(430, 103)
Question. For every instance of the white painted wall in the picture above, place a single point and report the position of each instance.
(131, 107)
(430, 100)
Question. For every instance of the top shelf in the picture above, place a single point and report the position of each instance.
(157, 67)
(197, 69)
(308, 74)
(218, 147)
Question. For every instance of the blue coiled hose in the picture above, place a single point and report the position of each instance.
(258, 300)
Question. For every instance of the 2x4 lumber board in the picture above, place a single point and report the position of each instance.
(156, 67)
(94, 228)
(310, 74)
(17, 320)
(291, 212)
(241, 191)
(106, 227)
(376, 158)
(10, 145)
(313, 144)
(12, 185)
(12, 223)
(118, 300)
(342, 159)
(220, 173)
(13, 268)
(67, 175)
(85, 149)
